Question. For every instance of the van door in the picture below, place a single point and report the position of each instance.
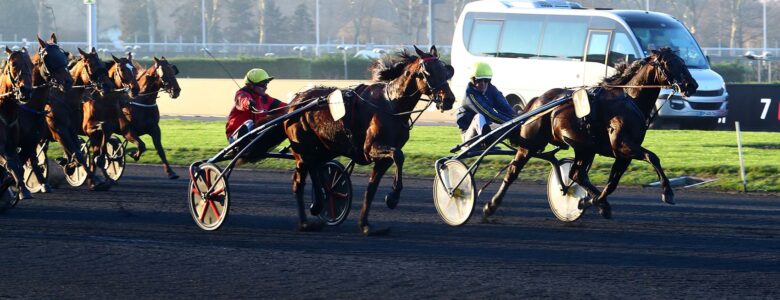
(596, 56)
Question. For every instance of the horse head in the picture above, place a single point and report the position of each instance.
(671, 69)
(166, 72)
(96, 73)
(16, 78)
(433, 77)
(122, 74)
(54, 65)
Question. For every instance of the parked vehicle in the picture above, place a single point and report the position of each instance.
(534, 45)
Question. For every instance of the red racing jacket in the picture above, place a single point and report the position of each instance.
(241, 112)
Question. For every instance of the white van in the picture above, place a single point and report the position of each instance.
(533, 46)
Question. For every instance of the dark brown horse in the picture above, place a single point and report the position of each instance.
(374, 130)
(91, 81)
(126, 87)
(49, 72)
(143, 113)
(15, 90)
(622, 109)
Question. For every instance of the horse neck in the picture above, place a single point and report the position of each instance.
(645, 97)
(5, 80)
(40, 92)
(113, 74)
(403, 93)
(80, 76)
(149, 87)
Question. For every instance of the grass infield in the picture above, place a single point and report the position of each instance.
(707, 155)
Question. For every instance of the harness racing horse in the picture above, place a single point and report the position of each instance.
(49, 72)
(90, 79)
(624, 106)
(15, 90)
(126, 87)
(102, 111)
(374, 130)
(143, 113)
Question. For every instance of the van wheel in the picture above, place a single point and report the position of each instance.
(516, 102)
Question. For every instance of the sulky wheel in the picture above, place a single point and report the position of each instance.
(209, 196)
(75, 173)
(115, 158)
(30, 180)
(565, 204)
(337, 187)
(454, 204)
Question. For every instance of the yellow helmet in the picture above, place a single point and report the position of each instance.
(482, 71)
(255, 76)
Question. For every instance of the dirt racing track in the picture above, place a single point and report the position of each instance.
(138, 240)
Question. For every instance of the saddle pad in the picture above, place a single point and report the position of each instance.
(581, 103)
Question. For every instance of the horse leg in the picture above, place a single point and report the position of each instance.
(157, 140)
(380, 167)
(667, 195)
(392, 198)
(579, 174)
(130, 135)
(11, 163)
(515, 166)
(618, 169)
(299, 184)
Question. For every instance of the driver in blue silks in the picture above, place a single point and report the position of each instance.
(483, 104)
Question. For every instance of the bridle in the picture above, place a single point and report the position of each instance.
(16, 90)
(94, 77)
(164, 86)
(50, 81)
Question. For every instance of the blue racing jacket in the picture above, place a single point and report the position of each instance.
(491, 104)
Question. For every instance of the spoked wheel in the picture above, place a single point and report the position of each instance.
(76, 176)
(8, 198)
(30, 180)
(209, 196)
(115, 158)
(454, 203)
(565, 205)
(338, 189)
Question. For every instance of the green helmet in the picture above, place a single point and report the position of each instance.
(482, 70)
(255, 76)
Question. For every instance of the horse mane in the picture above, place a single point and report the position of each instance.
(624, 72)
(390, 67)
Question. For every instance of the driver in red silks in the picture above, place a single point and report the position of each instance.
(251, 102)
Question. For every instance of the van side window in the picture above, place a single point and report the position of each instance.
(564, 37)
(520, 37)
(484, 37)
(622, 50)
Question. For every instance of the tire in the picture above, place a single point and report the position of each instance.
(78, 175)
(208, 211)
(115, 158)
(30, 180)
(338, 189)
(565, 207)
(455, 209)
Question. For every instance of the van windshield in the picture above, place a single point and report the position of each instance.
(657, 34)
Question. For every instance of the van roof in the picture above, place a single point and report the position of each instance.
(539, 4)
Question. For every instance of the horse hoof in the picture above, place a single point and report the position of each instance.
(668, 199)
(135, 155)
(367, 231)
(100, 187)
(605, 210)
(45, 188)
(310, 226)
(391, 200)
(316, 208)
(585, 202)
(173, 176)
(25, 194)
(487, 211)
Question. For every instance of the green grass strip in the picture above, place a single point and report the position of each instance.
(702, 154)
